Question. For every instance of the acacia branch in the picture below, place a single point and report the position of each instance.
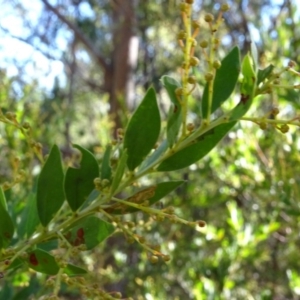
(79, 35)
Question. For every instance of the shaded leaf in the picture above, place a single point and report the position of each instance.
(31, 215)
(43, 262)
(224, 83)
(50, 192)
(142, 130)
(79, 183)
(89, 231)
(150, 160)
(6, 224)
(91, 197)
(175, 115)
(119, 171)
(49, 245)
(15, 264)
(264, 74)
(105, 166)
(193, 153)
(72, 270)
(3, 199)
(152, 194)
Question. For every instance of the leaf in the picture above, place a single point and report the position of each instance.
(79, 183)
(193, 153)
(105, 166)
(254, 55)
(15, 264)
(175, 115)
(142, 130)
(50, 192)
(155, 193)
(43, 262)
(91, 197)
(264, 74)
(224, 83)
(49, 245)
(247, 89)
(119, 172)
(89, 231)
(6, 223)
(3, 199)
(72, 270)
(150, 160)
(32, 215)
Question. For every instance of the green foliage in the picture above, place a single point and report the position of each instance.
(79, 183)
(197, 150)
(175, 115)
(142, 130)
(6, 223)
(50, 190)
(89, 231)
(224, 83)
(127, 185)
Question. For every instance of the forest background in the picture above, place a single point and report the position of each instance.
(75, 86)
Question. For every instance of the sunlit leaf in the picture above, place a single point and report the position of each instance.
(143, 130)
(152, 194)
(193, 153)
(79, 183)
(175, 115)
(6, 224)
(50, 192)
(224, 83)
(89, 231)
(254, 55)
(247, 89)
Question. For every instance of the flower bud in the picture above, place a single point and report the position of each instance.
(284, 128)
(201, 223)
(154, 259)
(216, 64)
(192, 79)
(292, 64)
(204, 44)
(195, 24)
(225, 7)
(26, 125)
(10, 115)
(181, 35)
(208, 77)
(263, 125)
(194, 61)
(208, 18)
(179, 92)
(166, 258)
(190, 127)
(183, 6)
(275, 111)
